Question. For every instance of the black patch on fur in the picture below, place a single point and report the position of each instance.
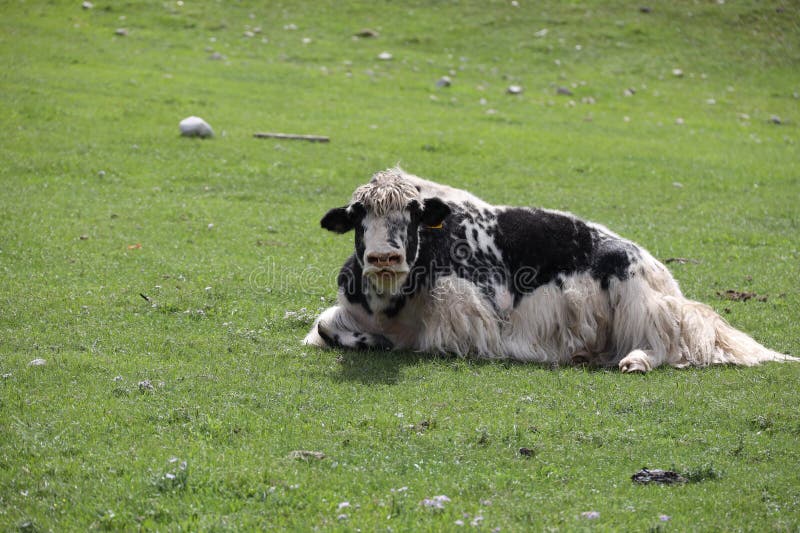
(613, 258)
(395, 305)
(541, 246)
(351, 283)
(332, 342)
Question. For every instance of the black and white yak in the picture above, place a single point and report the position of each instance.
(437, 269)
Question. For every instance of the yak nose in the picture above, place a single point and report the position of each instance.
(384, 260)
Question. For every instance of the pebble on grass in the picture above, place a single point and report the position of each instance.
(590, 515)
(195, 127)
(37, 362)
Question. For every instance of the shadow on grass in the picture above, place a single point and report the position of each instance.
(385, 367)
(380, 366)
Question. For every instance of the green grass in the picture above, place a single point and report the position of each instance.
(93, 166)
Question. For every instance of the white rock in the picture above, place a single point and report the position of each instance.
(677, 72)
(87, 5)
(195, 127)
(37, 362)
(444, 81)
(384, 56)
(514, 89)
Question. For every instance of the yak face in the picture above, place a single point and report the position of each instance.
(387, 240)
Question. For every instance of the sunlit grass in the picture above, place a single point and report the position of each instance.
(166, 282)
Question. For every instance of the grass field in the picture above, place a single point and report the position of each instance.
(166, 282)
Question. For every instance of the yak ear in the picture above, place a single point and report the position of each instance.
(343, 219)
(337, 220)
(434, 212)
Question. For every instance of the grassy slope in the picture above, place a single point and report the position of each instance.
(233, 391)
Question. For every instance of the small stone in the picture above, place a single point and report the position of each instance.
(87, 5)
(541, 33)
(444, 81)
(514, 89)
(37, 362)
(122, 32)
(646, 10)
(101, 174)
(678, 73)
(195, 127)
(677, 184)
(527, 452)
(711, 101)
(629, 92)
(84, 237)
(216, 56)
(588, 100)
(385, 56)
(249, 34)
(679, 121)
(775, 119)
(564, 91)
(744, 116)
(145, 385)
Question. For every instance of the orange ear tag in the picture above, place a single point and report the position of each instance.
(435, 227)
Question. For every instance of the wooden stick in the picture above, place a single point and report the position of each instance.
(292, 136)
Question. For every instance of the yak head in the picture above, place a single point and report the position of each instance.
(387, 215)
